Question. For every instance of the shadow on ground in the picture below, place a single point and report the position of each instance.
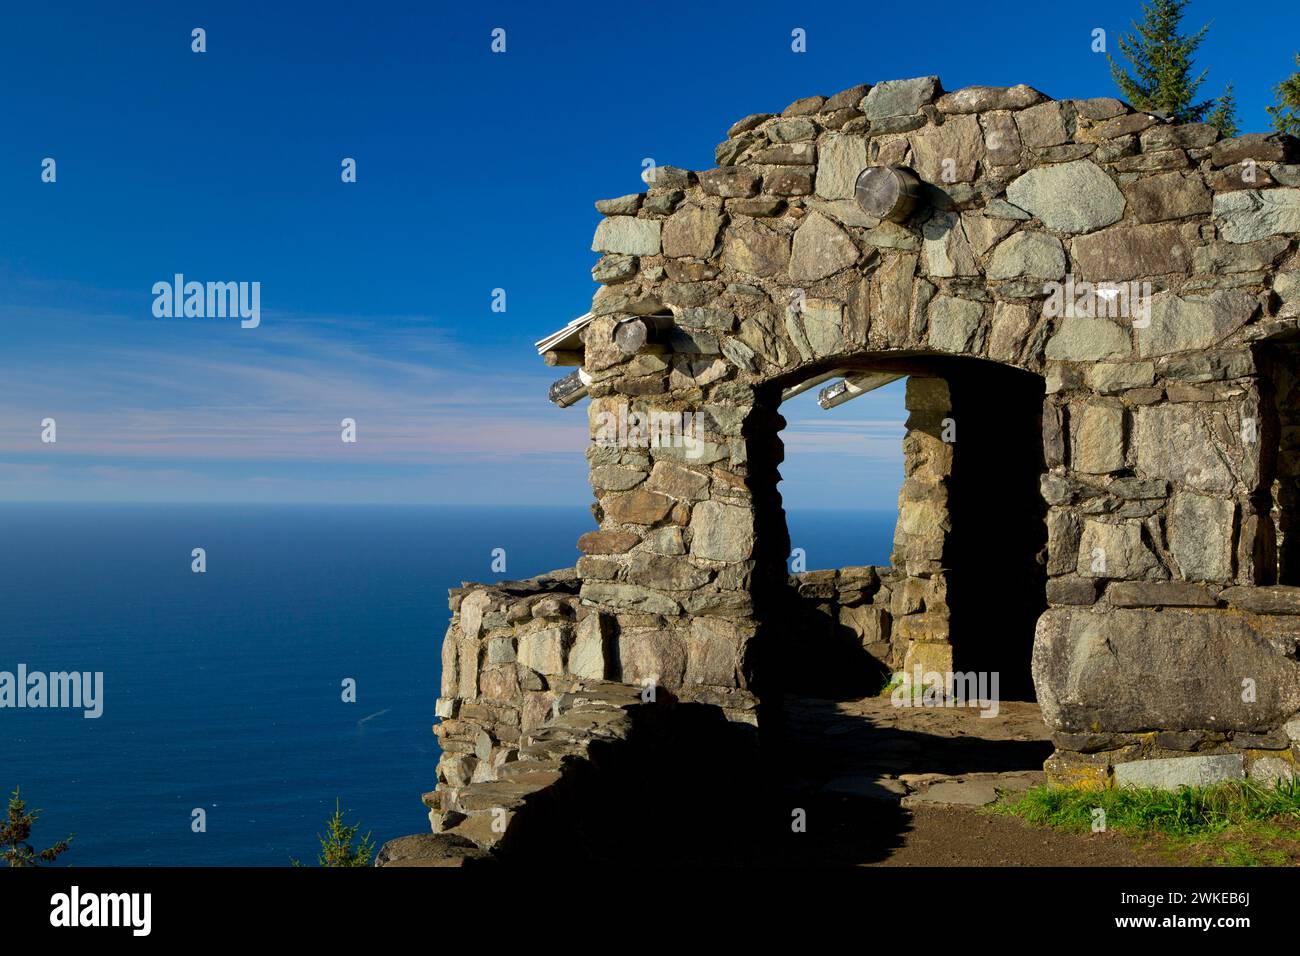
(687, 787)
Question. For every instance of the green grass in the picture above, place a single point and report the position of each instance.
(893, 681)
(1228, 824)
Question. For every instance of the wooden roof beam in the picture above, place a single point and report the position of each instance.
(854, 386)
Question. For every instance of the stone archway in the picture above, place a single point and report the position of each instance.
(1136, 268)
(1146, 273)
(967, 580)
(1126, 262)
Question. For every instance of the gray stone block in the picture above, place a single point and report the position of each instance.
(1174, 772)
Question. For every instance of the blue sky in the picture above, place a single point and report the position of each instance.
(476, 171)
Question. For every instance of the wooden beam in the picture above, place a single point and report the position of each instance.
(887, 192)
(563, 357)
(569, 389)
(854, 386)
(813, 382)
(647, 333)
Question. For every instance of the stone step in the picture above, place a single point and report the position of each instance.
(429, 849)
(550, 750)
(497, 793)
(528, 767)
(867, 787)
(484, 828)
(534, 779)
(967, 790)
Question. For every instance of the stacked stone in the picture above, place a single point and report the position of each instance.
(474, 817)
(858, 600)
(523, 686)
(920, 603)
(510, 650)
(1168, 759)
(525, 668)
(773, 273)
(671, 561)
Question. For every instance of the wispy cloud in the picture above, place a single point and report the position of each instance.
(192, 405)
(864, 438)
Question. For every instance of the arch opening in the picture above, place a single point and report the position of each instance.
(966, 580)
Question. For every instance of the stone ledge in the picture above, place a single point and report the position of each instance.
(590, 748)
(1159, 594)
(483, 813)
(1276, 599)
(429, 849)
(562, 581)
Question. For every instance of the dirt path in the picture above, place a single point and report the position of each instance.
(920, 776)
(950, 836)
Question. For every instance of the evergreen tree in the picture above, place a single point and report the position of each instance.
(336, 845)
(1224, 115)
(17, 830)
(1286, 114)
(1161, 58)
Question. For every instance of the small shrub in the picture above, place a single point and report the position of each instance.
(336, 845)
(17, 830)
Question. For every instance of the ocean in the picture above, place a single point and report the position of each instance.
(224, 691)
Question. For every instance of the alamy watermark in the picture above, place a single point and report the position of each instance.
(653, 428)
(208, 300)
(1112, 300)
(74, 908)
(58, 689)
(923, 688)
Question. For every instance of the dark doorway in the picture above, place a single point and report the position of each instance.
(1274, 553)
(996, 551)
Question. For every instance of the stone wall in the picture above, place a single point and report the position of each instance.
(1162, 448)
(838, 636)
(526, 693)
(502, 645)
